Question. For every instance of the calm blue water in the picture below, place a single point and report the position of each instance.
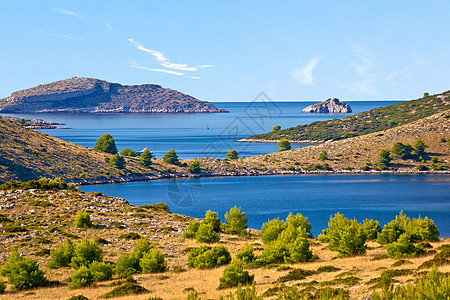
(378, 197)
(188, 134)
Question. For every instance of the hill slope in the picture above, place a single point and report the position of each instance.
(26, 154)
(363, 123)
(89, 95)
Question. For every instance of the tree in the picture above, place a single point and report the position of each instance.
(323, 155)
(384, 158)
(284, 145)
(236, 221)
(153, 262)
(232, 154)
(234, 274)
(206, 234)
(276, 128)
(106, 143)
(171, 157)
(419, 147)
(128, 152)
(117, 161)
(82, 220)
(194, 167)
(426, 95)
(146, 158)
(85, 253)
(212, 217)
(401, 150)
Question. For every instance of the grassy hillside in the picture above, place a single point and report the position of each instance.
(26, 154)
(351, 154)
(47, 218)
(363, 123)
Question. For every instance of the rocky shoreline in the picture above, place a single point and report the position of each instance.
(276, 141)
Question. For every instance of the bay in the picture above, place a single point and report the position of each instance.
(193, 135)
(379, 197)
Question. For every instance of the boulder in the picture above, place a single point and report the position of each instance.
(332, 106)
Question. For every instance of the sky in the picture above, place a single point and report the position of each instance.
(232, 50)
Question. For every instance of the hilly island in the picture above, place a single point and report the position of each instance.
(89, 95)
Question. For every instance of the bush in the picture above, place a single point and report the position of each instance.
(384, 158)
(130, 236)
(125, 290)
(323, 155)
(371, 228)
(236, 221)
(62, 256)
(191, 230)
(106, 143)
(246, 254)
(146, 158)
(86, 252)
(403, 247)
(82, 277)
(141, 246)
(234, 274)
(101, 270)
(422, 168)
(421, 229)
(401, 150)
(344, 236)
(271, 230)
(284, 145)
(204, 257)
(153, 262)
(82, 220)
(232, 154)
(171, 157)
(128, 264)
(78, 297)
(2, 286)
(41, 184)
(23, 273)
(194, 167)
(206, 234)
(212, 217)
(117, 161)
(128, 152)
(419, 147)
(299, 221)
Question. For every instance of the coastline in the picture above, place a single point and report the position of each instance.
(309, 142)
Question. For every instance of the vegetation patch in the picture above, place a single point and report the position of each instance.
(127, 289)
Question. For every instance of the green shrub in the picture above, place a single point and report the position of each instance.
(246, 254)
(403, 247)
(284, 145)
(344, 236)
(236, 221)
(41, 184)
(204, 257)
(106, 143)
(299, 221)
(433, 286)
(125, 290)
(323, 155)
(128, 152)
(101, 270)
(271, 230)
(78, 297)
(371, 228)
(234, 274)
(419, 147)
(2, 286)
(128, 264)
(191, 230)
(82, 220)
(141, 246)
(232, 154)
(296, 274)
(421, 229)
(401, 150)
(117, 161)
(130, 236)
(82, 277)
(86, 252)
(146, 158)
(23, 273)
(171, 157)
(212, 217)
(247, 293)
(207, 234)
(14, 228)
(153, 262)
(384, 158)
(62, 256)
(290, 246)
(194, 167)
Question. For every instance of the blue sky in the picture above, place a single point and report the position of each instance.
(232, 50)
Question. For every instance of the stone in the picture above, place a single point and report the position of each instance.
(331, 106)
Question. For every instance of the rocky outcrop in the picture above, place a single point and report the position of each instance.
(332, 106)
(89, 95)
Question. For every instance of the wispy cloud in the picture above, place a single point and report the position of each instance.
(305, 75)
(109, 27)
(365, 68)
(69, 13)
(138, 66)
(65, 36)
(162, 59)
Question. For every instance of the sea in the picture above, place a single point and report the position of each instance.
(379, 197)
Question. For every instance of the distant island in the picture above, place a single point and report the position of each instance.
(89, 95)
(333, 106)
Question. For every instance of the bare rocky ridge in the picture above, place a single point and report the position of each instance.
(89, 95)
(333, 106)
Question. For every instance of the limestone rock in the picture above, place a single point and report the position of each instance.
(333, 106)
